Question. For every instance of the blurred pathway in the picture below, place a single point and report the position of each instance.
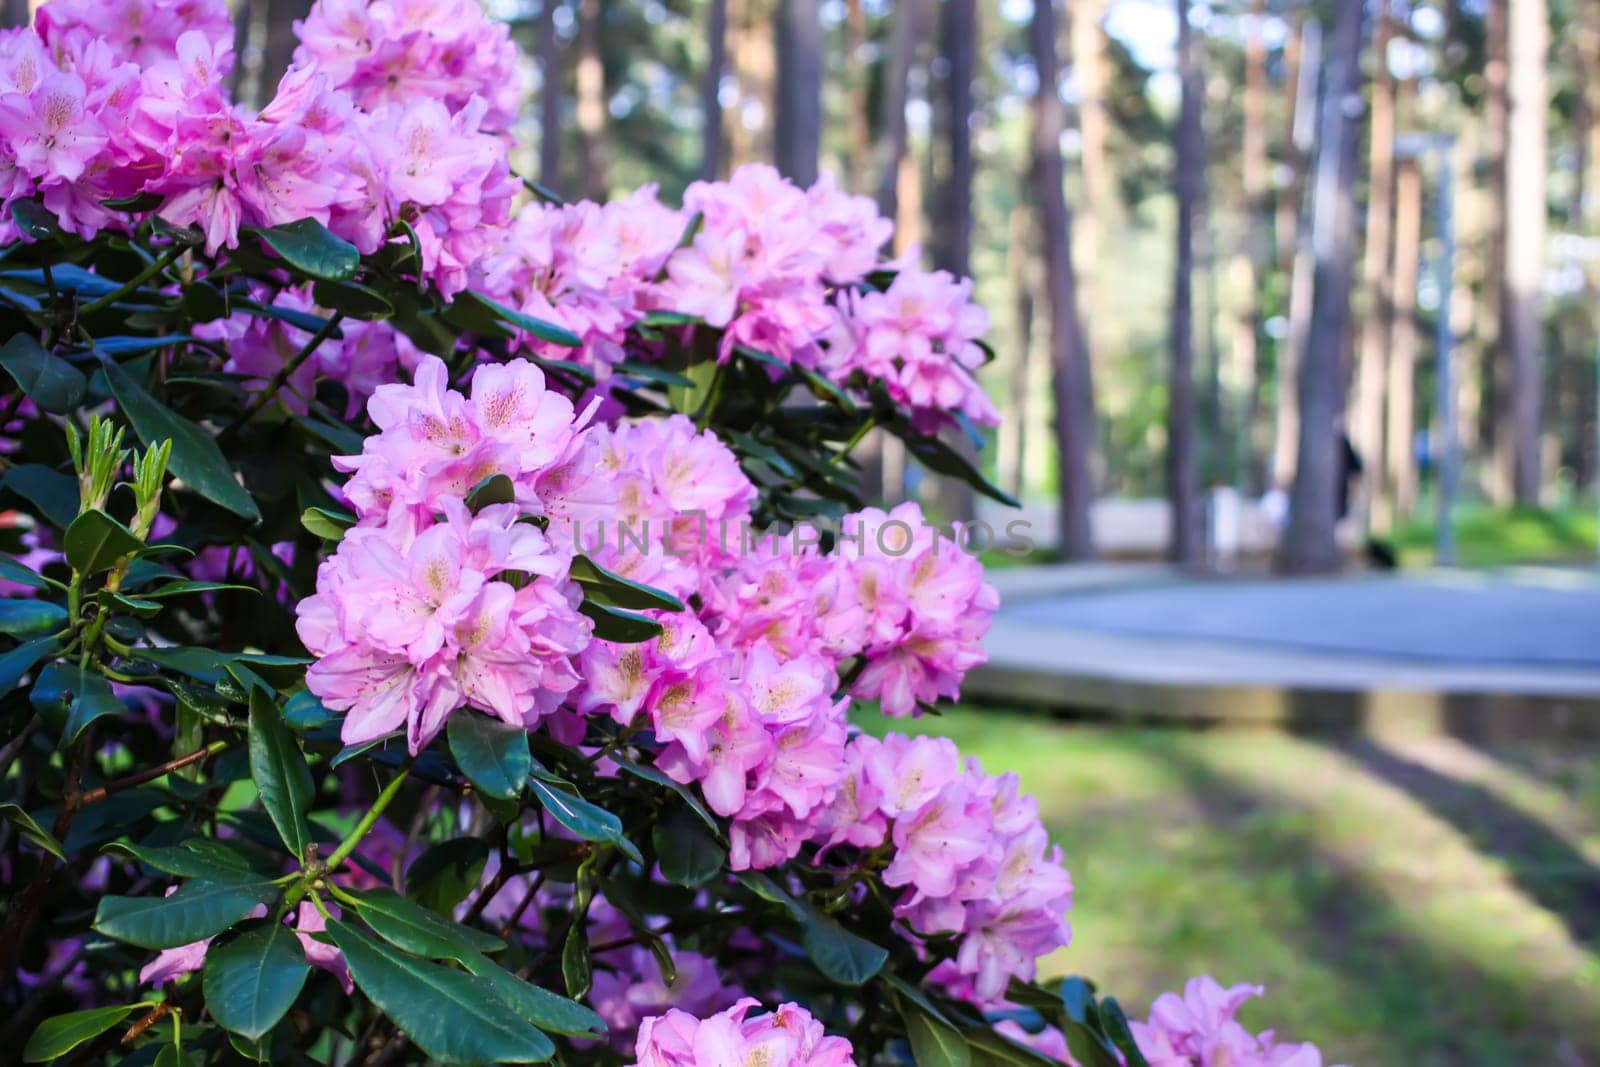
(1467, 647)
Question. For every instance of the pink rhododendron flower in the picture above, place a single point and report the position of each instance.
(172, 963)
(1198, 1029)
(788, 1037)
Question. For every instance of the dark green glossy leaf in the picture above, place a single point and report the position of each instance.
(311, 248)
(31, 830)
(442, 876)
(623, 627)
(53, 493)
(687, 854)
(95, 541)
(199, 909)
(195, 455)
(13, 570)
(304, 711)
(20, 660)
(195, 858)
(35, 220)
(30, 618)
(355, 301)
(651, 774)
(1115, 1025)
(279, 770)
(842, 956)
(420, 931)
(450, 1015)
(588, 821)
(549, 1011)
(493, 754)
(495, 489)
(252, 978)
(577, 964)
(61, 1034)
(935, 1042)
(613, 590)
(53, 383)
(474, 304)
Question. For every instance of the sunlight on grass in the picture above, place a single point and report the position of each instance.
(1385, 925)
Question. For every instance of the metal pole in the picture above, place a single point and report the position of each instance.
(1445, 446)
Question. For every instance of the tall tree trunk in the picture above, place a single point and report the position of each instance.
(905, 33)
(754, 65)
(1183, 482)
(958, 42)
(1400, 462)
(1091, 74)
(277, 51)
(552, 86)
(711, 91)
(859, 90)
(1250, 261)
(1371, 372)
(1071, 379)
(1528, 34)
(1492, 370)
(17, 13)
(593, 129)
(1012, 448)
(797, 126)
(1310, 545)
(1589, 208)
(1296, 249)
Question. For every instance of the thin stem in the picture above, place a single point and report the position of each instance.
(284, 374)
(855, 439)
(137, 280)
(368, 821)
(94, 796)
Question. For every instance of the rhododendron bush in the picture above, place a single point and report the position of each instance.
(433, 614)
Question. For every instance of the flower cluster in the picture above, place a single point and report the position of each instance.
(427, 607)
(919, 337)
(1198, 1029)
(788, 1037)
(401, 50)
(968, 852)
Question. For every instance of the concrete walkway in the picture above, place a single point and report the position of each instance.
(1458, 648)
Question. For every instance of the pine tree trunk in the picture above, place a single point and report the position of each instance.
(1016, 368)
(593, 128)
(711, 92)
(1528, 34)
(552, 86)
(905, 33)
(1310, 545)
(1296, 252)
(17, 13)
(1251, 259)
(1090, 73)
(278, 50)
(1372, 358)
(1071, 379)
(1400, 462)
(1183, 486)
(958, 41)
(797, 126)
(1492, 367)
(859, 92)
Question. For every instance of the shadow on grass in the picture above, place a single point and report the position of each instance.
(1431, 1003)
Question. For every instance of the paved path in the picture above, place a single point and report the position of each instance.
(1147, 640)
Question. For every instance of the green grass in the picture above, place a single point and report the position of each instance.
(1493, 537)
(1411, 902)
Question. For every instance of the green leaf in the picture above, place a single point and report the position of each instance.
(14, 570)
(409, 926)
(942, 459)
(95, 541)
(172, 1056)
(61, 1034)
(356, 301)
(195, 455)
(195, 858)
(253, 978)
(495, 489)
(623, 627)
(32, 831)
(443, 875)
(55, 494)
(53, 383)
(649, 371)
(304, 711)
(30, 618)
(687, 854)
(614, 591)
(990, 1049)
(311, 248)
(450, 1015)
(327, 524)
(544, 331)
(493, 754)
(549, 1011)
(279, 769)
(588, 821)
(651, 774)
(577, 964)
(20, 660)
(842, 956)
(201, 908)
(84, 693)
(1115, 1025)
(34, 220)
(935, 1042)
